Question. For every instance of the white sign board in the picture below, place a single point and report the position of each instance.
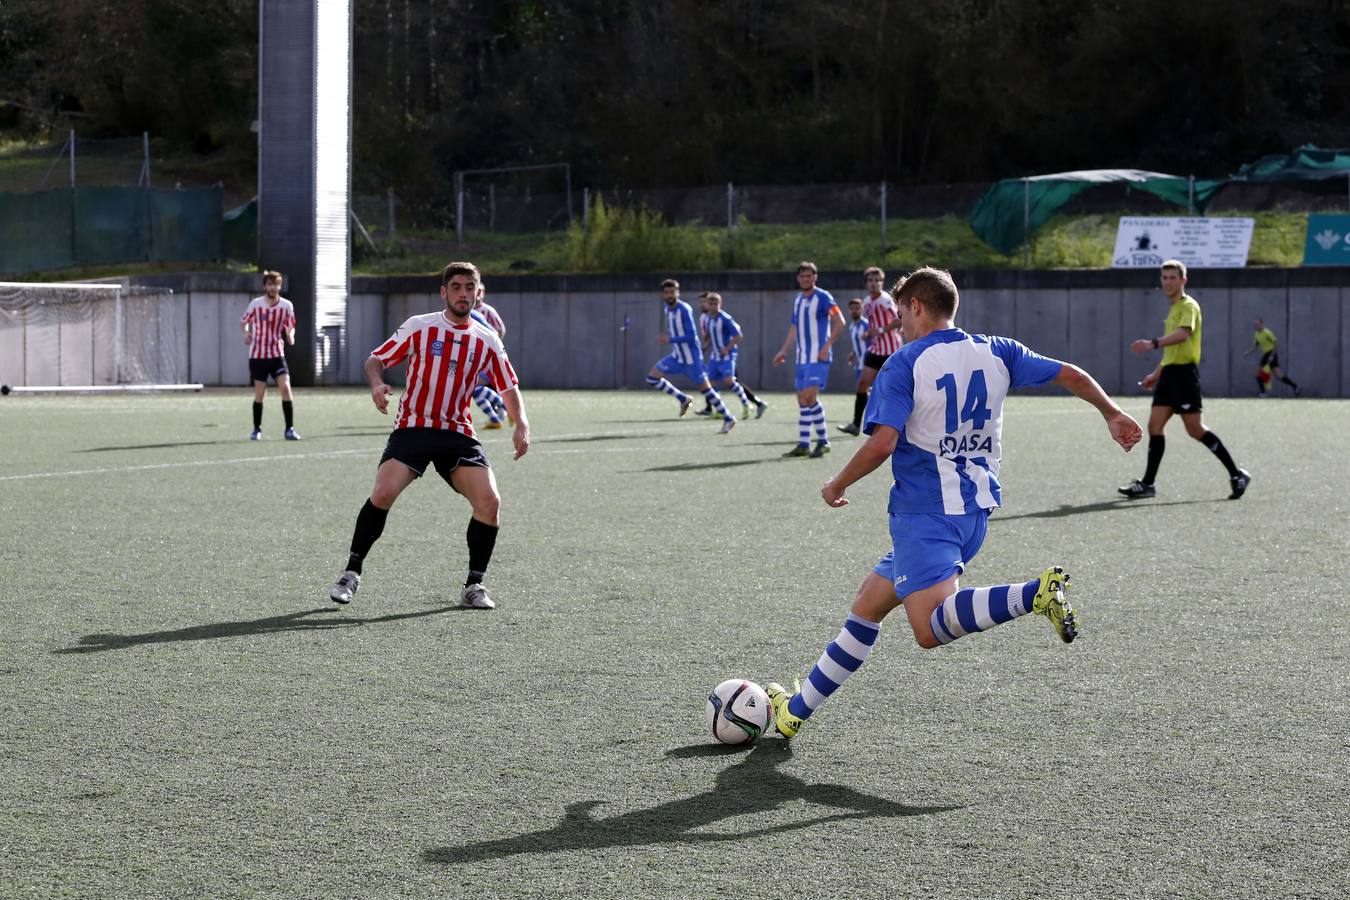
(1199, 242)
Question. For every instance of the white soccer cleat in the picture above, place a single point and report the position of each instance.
(727, 425)
(476, 595)
(345, 588)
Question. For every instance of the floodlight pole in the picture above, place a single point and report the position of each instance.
(72, 157)
(1190, 195)
(1026, 223)
(731, 209)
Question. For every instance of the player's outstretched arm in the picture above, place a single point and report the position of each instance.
(1125, 431)
(781, 356)
(379, 391)
(515, 405)
(879, 447)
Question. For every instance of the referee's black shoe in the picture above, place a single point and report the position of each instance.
(1137, 490)
(1239, 483)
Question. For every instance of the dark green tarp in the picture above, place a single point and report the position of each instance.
(239, 233)
(1011, 211)
(1307, 163)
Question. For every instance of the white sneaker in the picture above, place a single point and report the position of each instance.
(476, 595)
(345, 588)
(727, 425)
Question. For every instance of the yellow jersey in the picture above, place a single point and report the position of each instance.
(1185, 313)
(1265, 339)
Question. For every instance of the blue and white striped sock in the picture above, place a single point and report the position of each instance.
(841, 658)
(818, 422)
(716, 400)
(480, 396)
(803, 426)
(740, 392)
(979, 609)
(662, 385)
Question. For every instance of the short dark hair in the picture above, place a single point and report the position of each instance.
(460, 268)
(272, 275)
(807, 266)
(934, 288)
(873, 270)
(670, 282)
(713, 295)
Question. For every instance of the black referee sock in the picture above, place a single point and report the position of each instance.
(1156, 444)
(481, 538)
(859, 405)
(1211, 440)
(369, 527)
(1289, 381)
(749, 394)
(257, 415)
(288, 410)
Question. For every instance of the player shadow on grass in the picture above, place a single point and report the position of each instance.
(723, 464)
(750, 788)
(1105, 506)
(243, 440)
(95, 643)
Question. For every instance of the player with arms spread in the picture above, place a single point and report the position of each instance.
(936, 412)
(268, 321)
(816, 323)
(445, 351)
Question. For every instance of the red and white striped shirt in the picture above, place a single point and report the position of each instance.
(444, 361)
(270, 323)
(494, 318)
(881, 311)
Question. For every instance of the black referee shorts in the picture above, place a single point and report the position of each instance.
(260, 369)
(1179, 388)
(1270, 358)
(447, 450)
(874, 360)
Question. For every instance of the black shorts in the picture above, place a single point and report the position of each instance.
(259, 369)
(447, 450)
(1179, 388)
(874, 360)
(1270, 358)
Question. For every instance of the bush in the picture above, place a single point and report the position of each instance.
(637, 240)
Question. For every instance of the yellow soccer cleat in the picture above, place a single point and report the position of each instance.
(493, 425)
(1050, 601)
(787, 724)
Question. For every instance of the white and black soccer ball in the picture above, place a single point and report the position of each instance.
(739, 711)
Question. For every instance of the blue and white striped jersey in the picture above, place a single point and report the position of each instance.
(811, 314)
(722, 328)
(944, 393)
(857, 333)
(683, 334)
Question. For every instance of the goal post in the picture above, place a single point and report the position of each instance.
(69, 337)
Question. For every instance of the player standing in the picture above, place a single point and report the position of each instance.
(816, 322)
(724, 339)
(1270, 359)
(884, 339)
(685, 357)
(857, 336)
(268, 321)
(1176, 385)
(937, 414)
(445, 351)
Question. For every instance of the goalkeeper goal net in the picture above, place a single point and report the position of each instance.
(90, 338)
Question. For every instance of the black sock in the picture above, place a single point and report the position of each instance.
(749, 394)
(1289, 381)
(257, 415)
(1211, 440)
(859, 404)
(481, 538)
(1156, 444)
(369, 527)
(1260, 386)
(288, 410)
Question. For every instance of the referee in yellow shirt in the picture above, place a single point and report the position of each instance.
(1176, 385)
(1270, 359)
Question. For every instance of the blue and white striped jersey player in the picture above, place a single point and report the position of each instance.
(816, 323)
(488, 400)
(936, 412)
(685, 357)
(724, 339)
(858, 328)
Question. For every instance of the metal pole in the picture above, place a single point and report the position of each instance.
(117, 337)
(72, 157)
(145, 162)
(1026, 223)
(585, 208)
(492, 206)
(568, 170)
(390, 197)
(459, 207)
(731, 209)
(883, 221)
(1190, 195)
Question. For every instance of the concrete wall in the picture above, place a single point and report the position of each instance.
(568, 331)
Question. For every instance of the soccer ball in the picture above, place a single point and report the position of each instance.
(739, 711)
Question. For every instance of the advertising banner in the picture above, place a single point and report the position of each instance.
(1201, 242)
(1328, 241)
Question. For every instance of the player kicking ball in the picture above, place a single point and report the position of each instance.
(445, 352)
(936, 412)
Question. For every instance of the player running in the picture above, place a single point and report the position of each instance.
(816, 323)
(883, 339)
(936, 413)
(445, 351)
(268, 321)
(724, 339)
(685, 357)
(1269, 365)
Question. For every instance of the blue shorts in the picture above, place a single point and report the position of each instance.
(929, 549)
(812, 375)
(720, 369)
(671, 365)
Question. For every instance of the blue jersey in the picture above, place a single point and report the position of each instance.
(811, 314)
(944, 393)
(480, 318)
(684, 336)
(857, 333)
(721, 329)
